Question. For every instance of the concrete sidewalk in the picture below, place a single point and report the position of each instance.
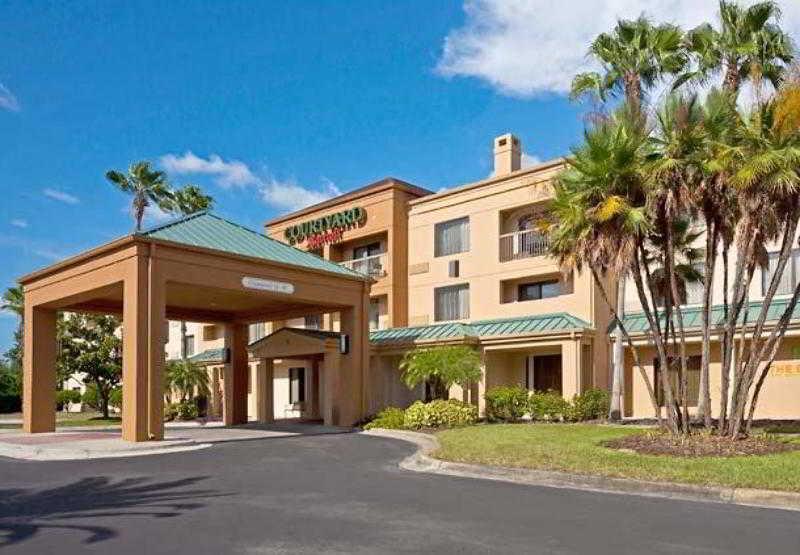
(103, 443)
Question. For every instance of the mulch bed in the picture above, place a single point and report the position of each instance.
(699, 445)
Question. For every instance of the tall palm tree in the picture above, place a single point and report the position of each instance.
(747, 45)
(634, 57)
(146, 185)
(597, 217)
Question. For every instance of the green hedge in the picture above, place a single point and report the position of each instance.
(440, 413)
(64, 396)
(511, 403)
(10, 403)
(390, 418)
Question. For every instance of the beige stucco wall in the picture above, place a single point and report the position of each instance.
(780, 396)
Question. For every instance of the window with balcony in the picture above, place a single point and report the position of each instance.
(451, 237)
(451, 303)
(369, 260)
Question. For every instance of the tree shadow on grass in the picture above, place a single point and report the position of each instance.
(25, 513)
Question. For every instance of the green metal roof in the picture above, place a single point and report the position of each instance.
(212, 232)
(209, 355)
(559, 321)
(692, 315)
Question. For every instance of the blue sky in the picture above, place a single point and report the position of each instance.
(271, 105)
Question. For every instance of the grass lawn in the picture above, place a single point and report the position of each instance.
(69, 419)
(576, 448)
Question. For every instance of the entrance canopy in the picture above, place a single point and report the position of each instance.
(201, 268)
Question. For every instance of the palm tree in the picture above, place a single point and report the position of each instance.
(187, 378)
(747, 46)
(13, 300)
(597, 217)
(189, 200)
(146, 185)
(634, 57)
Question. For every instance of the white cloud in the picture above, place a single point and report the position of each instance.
(7, 99)
(291, 196)
(61, 196)
(232, 173)
(528, 160)
(282, 194)
(532, 47)
(19, 222)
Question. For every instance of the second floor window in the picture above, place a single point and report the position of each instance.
(374, 314)
(789, 278)
(257, 331)
(312, 322)
(451, 303)
(538, 290)
(451, 237)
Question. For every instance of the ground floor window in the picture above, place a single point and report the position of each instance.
(297, 385)
(693, 364)
(543, 373)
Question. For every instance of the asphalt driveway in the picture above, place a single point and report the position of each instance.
(344, 494)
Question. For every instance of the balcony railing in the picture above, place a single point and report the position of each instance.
(522, 244)
(373, 266)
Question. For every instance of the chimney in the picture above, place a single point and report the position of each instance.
(507, 154)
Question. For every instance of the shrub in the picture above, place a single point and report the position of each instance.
(66, 396)
(440, 413)
(549, 406)
(592, 404)
(506, 403)
(391, 418)
(186, 410)
(170, 411)
(10, 403)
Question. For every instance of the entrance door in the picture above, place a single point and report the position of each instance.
(543, 373)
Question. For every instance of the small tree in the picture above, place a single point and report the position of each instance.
(441, 367)
(89, 346)
(187, 378)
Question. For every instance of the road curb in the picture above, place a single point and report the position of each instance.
(422, 461)
(38, 453)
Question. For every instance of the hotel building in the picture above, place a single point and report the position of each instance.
(466, 265)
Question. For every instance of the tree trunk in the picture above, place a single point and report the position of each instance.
(184, 354)
(704, 401)
(615, 410)
(683, 388)
(725, 368)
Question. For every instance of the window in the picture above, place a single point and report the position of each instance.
(374, 314)
(367, 250)
(694, 289)
(451, 303)
(693, 364)
(790, 274)
(297, 385)
(256, 331)
(538, 290)
(188, 346)
(543, 373)
(451, 237)
(313, 322)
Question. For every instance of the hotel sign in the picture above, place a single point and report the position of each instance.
(268, 285)
(327, 229)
